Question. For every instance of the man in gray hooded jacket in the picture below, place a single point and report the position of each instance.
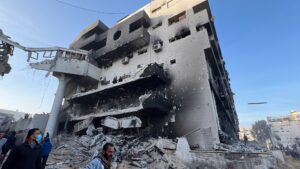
(104, 159)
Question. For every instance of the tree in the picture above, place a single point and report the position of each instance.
(261, 132)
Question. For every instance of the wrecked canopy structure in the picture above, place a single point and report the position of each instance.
(6, 50)
(160, 68)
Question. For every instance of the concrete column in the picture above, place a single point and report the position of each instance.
(59, 95)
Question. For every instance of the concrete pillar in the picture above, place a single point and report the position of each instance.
(59, 95)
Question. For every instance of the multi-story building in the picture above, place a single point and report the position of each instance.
(285, 131)
(160, 69)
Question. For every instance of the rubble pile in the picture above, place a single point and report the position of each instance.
(131, 152)
(240, 147)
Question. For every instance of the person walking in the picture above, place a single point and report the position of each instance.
(10, 143)
(104, 159)
(27, 155)
(2, 143)
(47, 146)
(245, 139)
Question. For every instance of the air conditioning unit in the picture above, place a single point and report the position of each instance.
(103, 81)
(157, 46)
(125, 60)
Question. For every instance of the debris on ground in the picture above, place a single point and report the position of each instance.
(143, 151)
(239, 147)
(131, 151)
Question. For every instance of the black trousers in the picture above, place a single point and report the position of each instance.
(44, 161)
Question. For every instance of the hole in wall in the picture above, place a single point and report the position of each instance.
(173, 61)
(117, 35)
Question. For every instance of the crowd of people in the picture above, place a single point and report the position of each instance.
(34, 150)
(32, 153)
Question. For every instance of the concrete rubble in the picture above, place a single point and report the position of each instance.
(143, 151)
(241, 147)
(126, 122)
(131, 151)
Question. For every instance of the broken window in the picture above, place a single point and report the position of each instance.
(157, 25)
(135, 25)
(125, 60)
(103, 81)
(142, 51)
(172, 39)
(101, 43)
(138, 24)
(199, 27)
(200, 7)
(130, 55)
(95, 45)
(177, 18)
(173, 61)
(184, 32)
(157, 9)
(207, 26)
(157, 46)
(115, 80)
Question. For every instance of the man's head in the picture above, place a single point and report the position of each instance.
(108, 151)
(33, 134)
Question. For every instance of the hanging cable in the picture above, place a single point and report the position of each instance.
(44, 93)
(87, 9)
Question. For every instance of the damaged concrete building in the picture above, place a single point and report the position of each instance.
(159, 69)
(163, 65)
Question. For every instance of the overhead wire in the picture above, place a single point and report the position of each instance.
(44, 92)
(87, 9)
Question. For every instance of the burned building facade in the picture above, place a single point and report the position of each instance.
(160, 69)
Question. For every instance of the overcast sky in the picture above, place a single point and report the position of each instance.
(259, 41)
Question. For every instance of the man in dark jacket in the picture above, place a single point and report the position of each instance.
(27, 155)
(10, 143)
(47, 146)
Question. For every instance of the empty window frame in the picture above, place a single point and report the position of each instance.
(138, 24)
(156, 9)
(135, 25)
(177, 18)
(101, 43)
(95, 45)
(180, 35)
(142, 51)
(157, 25)
(207, 26)
(200, 7)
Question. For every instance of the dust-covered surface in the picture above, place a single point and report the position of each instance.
(141, 151)
(131, 151)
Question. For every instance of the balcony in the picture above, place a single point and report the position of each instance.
(150, 104)
(151, 77)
